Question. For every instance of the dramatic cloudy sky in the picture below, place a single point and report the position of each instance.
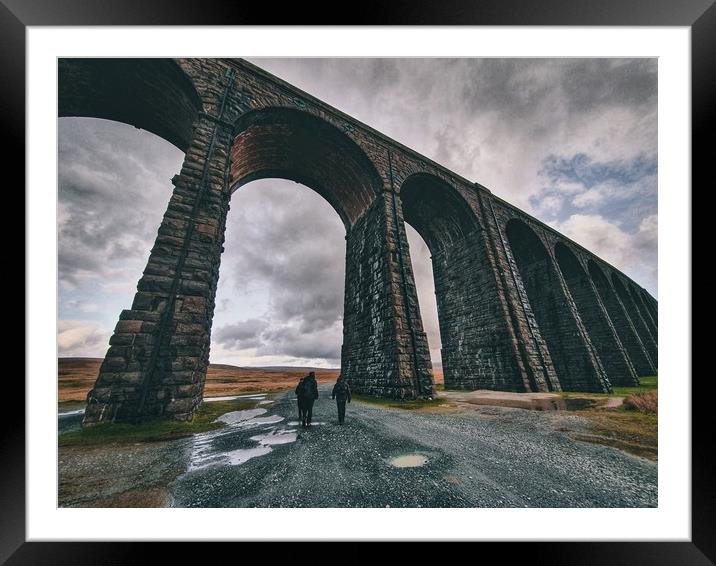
(572, 141)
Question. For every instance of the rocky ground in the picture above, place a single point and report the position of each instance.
(457, 454)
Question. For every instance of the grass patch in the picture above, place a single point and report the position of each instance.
(648, 383)
(632, 427)
(632, 431)
(396, 404)
(155, 431)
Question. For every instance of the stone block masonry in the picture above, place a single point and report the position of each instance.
(521, 307)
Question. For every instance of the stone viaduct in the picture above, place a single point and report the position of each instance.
(521, 307)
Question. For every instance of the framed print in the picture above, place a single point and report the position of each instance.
(544, 298)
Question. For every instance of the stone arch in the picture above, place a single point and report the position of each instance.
(640, 358)
(643, 310)
(573, 362)
(650, 303)
(295, 145)
(637, 320)
(475, 351)
(602, 333)
(151, 94)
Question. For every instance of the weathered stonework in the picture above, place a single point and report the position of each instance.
(521, 308)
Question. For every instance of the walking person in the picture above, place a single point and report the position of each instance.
(299, 393)
(341, 393)
(307, 392)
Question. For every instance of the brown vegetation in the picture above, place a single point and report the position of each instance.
(76, 376)
(646, 402)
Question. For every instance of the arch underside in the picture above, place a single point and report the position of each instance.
(624, 327)
(632, 311)
(151, 94)
(603, 335)
(472, 329)
(293, 145)
(557, 325)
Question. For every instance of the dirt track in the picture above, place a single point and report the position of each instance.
(475, 457)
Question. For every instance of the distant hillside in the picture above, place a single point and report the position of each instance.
(76, 376)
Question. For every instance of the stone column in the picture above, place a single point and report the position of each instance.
(651, 306)
(639, 324)
(385, 351)
(602, 334)
(156, 363)
(628, 336)
(577, 359)
(644, 311)
(528, 347)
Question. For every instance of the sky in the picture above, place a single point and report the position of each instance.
(570, 141)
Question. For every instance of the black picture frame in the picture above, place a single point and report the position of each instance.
(698, 15)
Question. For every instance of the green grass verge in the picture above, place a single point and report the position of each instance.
(396, 404)
(648, 383)
(632, 431)
(154, 431)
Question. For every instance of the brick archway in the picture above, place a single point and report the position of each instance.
(291, 144)
(611, 352)
(151, 94)
(576, 366)
(623, 325)
(475, 344)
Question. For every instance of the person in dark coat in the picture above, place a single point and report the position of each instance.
(299, 390)
(307, 392)
(341, 393)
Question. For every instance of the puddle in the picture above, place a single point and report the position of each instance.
(238, 416)
(276, 437)
(213, 448)
(579, 403)
(236, 457)
(70, 413)
(256, 396)
(409, 461)
(271, 419)
(563, 404)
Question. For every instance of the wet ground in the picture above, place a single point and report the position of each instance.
(479, 456)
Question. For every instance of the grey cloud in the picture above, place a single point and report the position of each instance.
(113, 186)
(519, 88)
(595, 82)
(242, 335)
(291, 341)
(290, 239)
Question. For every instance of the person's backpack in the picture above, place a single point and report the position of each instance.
(304, 388)
(301, 388)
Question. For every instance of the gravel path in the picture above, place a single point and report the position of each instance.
(482, 457)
